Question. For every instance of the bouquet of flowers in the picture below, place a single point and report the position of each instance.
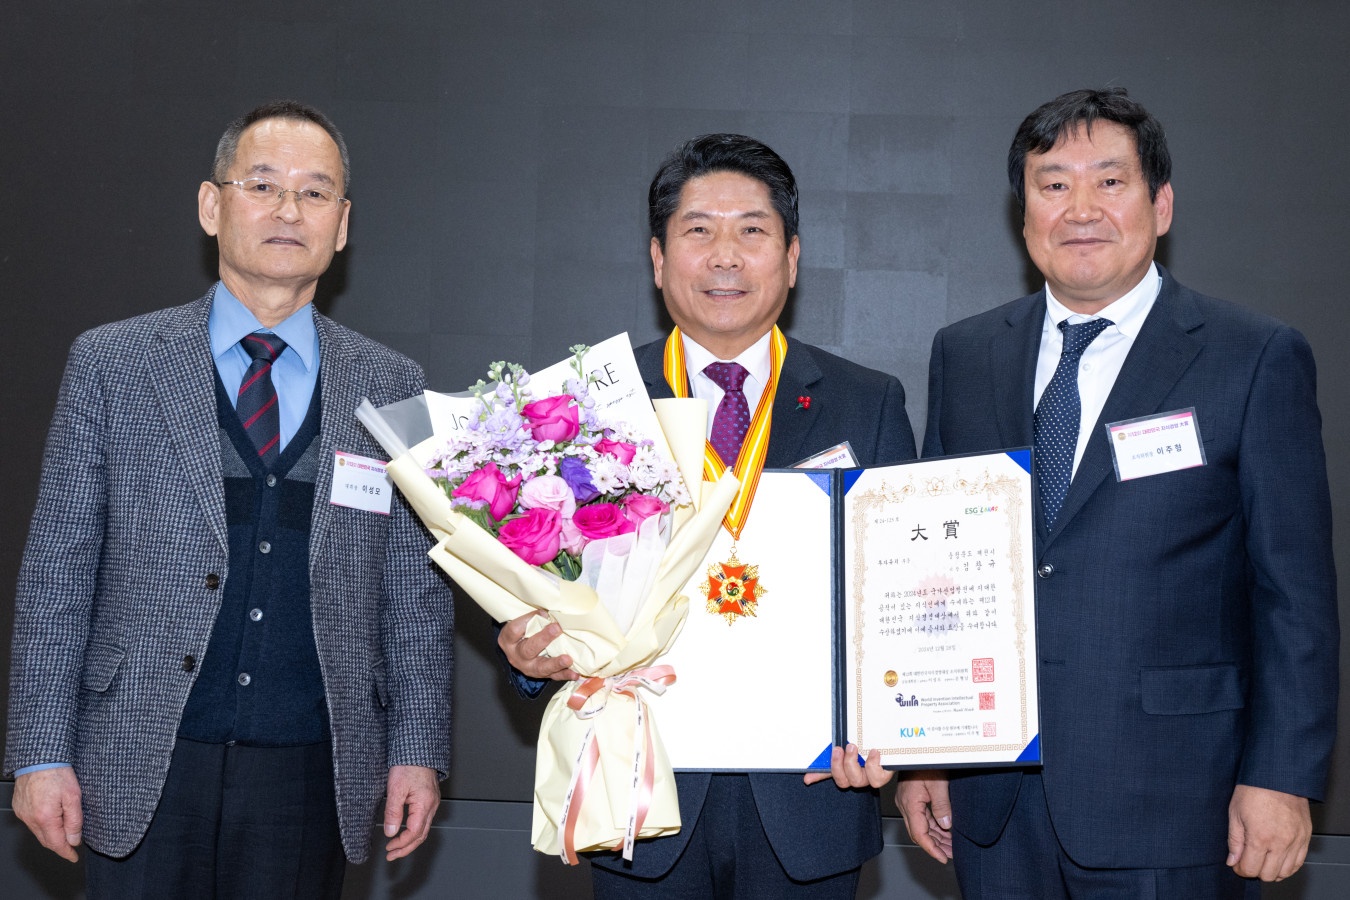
(545, 504)
(547, 477)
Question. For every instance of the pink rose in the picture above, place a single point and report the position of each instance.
(553, 418)
(638, 507)
(548, 492)
(619, 449)
(573, 541)
(489, 485)
(602, 520)
(533, 537)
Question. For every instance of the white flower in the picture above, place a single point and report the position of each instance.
(609, 475)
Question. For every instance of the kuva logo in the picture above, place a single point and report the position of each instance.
(912, 701)
(912, 732)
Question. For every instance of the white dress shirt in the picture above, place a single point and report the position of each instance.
(757, 359)
(1102, 359)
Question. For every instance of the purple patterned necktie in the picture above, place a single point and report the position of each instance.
(257, 401)
(732, 419)
(1056, 421)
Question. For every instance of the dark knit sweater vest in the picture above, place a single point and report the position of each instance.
(260, 683)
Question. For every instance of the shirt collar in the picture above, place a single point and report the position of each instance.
(757, 358)
(230, 321)
(1126, 314)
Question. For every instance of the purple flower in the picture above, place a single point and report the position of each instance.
(506, 427)
(578, 478)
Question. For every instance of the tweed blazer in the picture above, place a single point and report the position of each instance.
(1187, 621)
(817, 830)
(127, 554)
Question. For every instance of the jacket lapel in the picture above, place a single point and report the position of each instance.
(1013, 355)
(651, 361)
(1161, 354)
(339, 384)
(179, 366)
(790, 426)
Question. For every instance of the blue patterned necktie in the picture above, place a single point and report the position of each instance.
(1057, 417)
(257, 401)
(732, 419)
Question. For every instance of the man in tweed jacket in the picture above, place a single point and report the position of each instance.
(131, 687)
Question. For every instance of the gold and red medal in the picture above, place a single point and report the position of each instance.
(732, 588)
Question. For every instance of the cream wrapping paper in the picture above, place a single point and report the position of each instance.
(607, 719)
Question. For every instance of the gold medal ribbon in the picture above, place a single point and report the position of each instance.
(750, 462)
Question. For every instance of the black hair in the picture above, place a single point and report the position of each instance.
(711, 153)
(1053, 121)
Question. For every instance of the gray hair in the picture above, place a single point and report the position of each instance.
(228, 147)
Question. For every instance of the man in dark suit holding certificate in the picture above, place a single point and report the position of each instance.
(724, 247)
(1185, 586)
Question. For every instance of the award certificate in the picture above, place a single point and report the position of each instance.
(939, 612)
(892, 607)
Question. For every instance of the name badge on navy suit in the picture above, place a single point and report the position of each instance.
(1153, 445)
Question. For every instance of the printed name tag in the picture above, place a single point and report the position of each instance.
(839, 456)
(360, 482)
(1152, 445)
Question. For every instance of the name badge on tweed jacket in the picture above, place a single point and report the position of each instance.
(361, 483)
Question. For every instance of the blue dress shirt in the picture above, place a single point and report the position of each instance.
(295, 371)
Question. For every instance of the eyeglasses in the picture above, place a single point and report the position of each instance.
(269, 193)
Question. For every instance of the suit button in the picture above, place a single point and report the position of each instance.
(244, 679)
(1045, 570)
(255, 615)
(189, 663)
(271, 481)
(212, 581)
(264, 547)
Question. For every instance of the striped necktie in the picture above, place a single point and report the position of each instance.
(257, 401)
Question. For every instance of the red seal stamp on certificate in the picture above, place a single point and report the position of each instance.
(986, 700)
(982, 670)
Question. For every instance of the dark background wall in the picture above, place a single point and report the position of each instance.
(502, 152)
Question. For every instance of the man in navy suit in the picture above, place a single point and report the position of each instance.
(724, 246)
(1187, 617)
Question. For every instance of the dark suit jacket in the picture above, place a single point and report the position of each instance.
(127, 556)
(1186, 621)
(819, 830)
